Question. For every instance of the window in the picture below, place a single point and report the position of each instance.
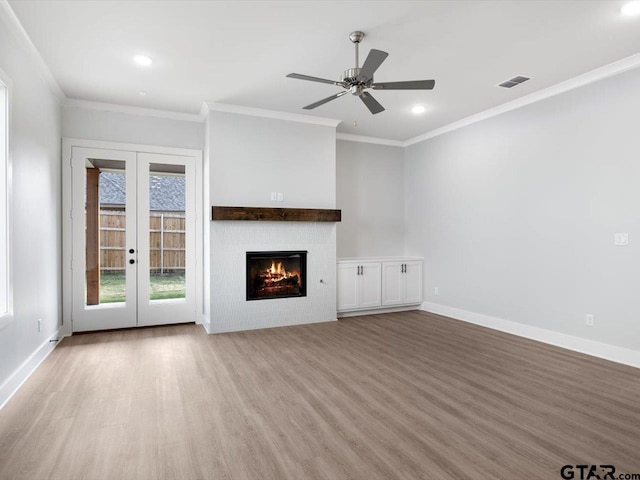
(4, 199)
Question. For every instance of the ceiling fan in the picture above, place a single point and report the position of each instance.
(357, 80)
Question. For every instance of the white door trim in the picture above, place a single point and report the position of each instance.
(67, 233)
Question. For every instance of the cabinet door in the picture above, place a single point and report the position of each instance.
(370, 285)
(348, 282)
(392, 283)
(413, 282)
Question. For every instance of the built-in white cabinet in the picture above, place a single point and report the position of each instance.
(369, 284)
(359, 285)
(401, 282)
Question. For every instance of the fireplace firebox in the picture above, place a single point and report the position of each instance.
(276, 275)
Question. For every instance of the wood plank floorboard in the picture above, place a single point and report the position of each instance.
(407, 395)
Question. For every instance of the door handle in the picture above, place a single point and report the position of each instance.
(132, 261)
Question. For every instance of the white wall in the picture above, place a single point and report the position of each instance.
(94, 124)
(35, 212)
(516, 215)
(370, 193)
(248, 158)
(254, 156)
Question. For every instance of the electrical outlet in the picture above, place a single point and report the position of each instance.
(39, 325)
(589, 320)
(436, 291)
(274, 196)
(621, 239)
(280, 196)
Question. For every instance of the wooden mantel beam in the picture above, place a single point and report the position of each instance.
(275, 214)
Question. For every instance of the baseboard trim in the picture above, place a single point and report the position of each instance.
(206, 323)
(606, 351)
(374, 311)
(24, 371)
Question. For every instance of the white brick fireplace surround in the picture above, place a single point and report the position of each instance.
(230, 240)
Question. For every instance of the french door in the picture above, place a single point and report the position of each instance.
(134, 239)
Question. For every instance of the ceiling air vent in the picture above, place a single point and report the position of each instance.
(512, 82)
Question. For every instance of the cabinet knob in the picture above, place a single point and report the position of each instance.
(132, 261)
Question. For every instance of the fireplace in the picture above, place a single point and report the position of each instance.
(276, 275)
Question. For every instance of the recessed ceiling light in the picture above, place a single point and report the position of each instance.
(142, 60)
(418, 109)
(142, 94)
(631, 8)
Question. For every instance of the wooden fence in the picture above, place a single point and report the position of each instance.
(166, 232)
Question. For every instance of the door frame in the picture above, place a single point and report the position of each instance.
(67, 224)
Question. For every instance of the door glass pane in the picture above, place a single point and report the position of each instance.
(105, 239)
(167, 231)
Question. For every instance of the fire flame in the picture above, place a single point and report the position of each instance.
(277, 270)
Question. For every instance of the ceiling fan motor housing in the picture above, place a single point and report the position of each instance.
(350, 77)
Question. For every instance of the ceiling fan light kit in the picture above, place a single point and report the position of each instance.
(357, 80)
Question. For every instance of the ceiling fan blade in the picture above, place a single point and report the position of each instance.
(371, 64)
(371, 103)
(412, 85)
(325, 100)
(314, 79)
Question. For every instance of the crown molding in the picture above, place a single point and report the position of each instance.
(615, 68)
(20, 35)
(259, 112)
(364, 139)
(204, 112)
(128, 109)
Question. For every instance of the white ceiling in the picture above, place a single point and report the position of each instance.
(239, 53)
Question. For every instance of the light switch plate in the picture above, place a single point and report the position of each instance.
(621, 239)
